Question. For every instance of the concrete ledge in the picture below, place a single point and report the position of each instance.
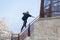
(57, 17)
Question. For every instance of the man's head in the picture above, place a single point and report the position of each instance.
(27, 12)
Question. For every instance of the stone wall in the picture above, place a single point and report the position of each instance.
(46, 29)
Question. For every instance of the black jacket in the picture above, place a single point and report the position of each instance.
(25, 17)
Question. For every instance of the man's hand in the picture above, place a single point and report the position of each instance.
(33, 16)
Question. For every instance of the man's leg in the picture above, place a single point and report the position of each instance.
(24, 24)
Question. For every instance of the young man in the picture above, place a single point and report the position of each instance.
(24, 18)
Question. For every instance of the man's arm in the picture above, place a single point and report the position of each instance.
(33, 16)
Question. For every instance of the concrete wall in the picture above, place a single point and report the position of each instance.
(46, 29)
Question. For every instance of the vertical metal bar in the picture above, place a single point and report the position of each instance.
(29, 30)
(18, 36)
(12, 37)
(50, 8)
(49, 11)
(42, 9)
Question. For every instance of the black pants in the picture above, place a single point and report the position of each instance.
(24, 24)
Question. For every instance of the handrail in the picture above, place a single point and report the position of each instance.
(34, 20)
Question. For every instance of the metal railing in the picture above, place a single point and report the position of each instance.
(14, 37)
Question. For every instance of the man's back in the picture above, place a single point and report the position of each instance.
(25, 17)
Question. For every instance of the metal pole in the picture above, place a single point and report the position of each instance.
(18, 36)
(12, 37)
(42, 9)
(29, 30)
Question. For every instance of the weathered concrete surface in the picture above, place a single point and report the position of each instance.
(46, 29)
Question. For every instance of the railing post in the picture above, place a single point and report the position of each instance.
(29, 30)
(12, 37)
(18, 36)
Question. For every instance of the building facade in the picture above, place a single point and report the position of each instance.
(5, 34)
(50, 8)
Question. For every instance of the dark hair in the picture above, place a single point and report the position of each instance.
(27, 12)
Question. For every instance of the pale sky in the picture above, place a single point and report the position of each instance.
(11, 12)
